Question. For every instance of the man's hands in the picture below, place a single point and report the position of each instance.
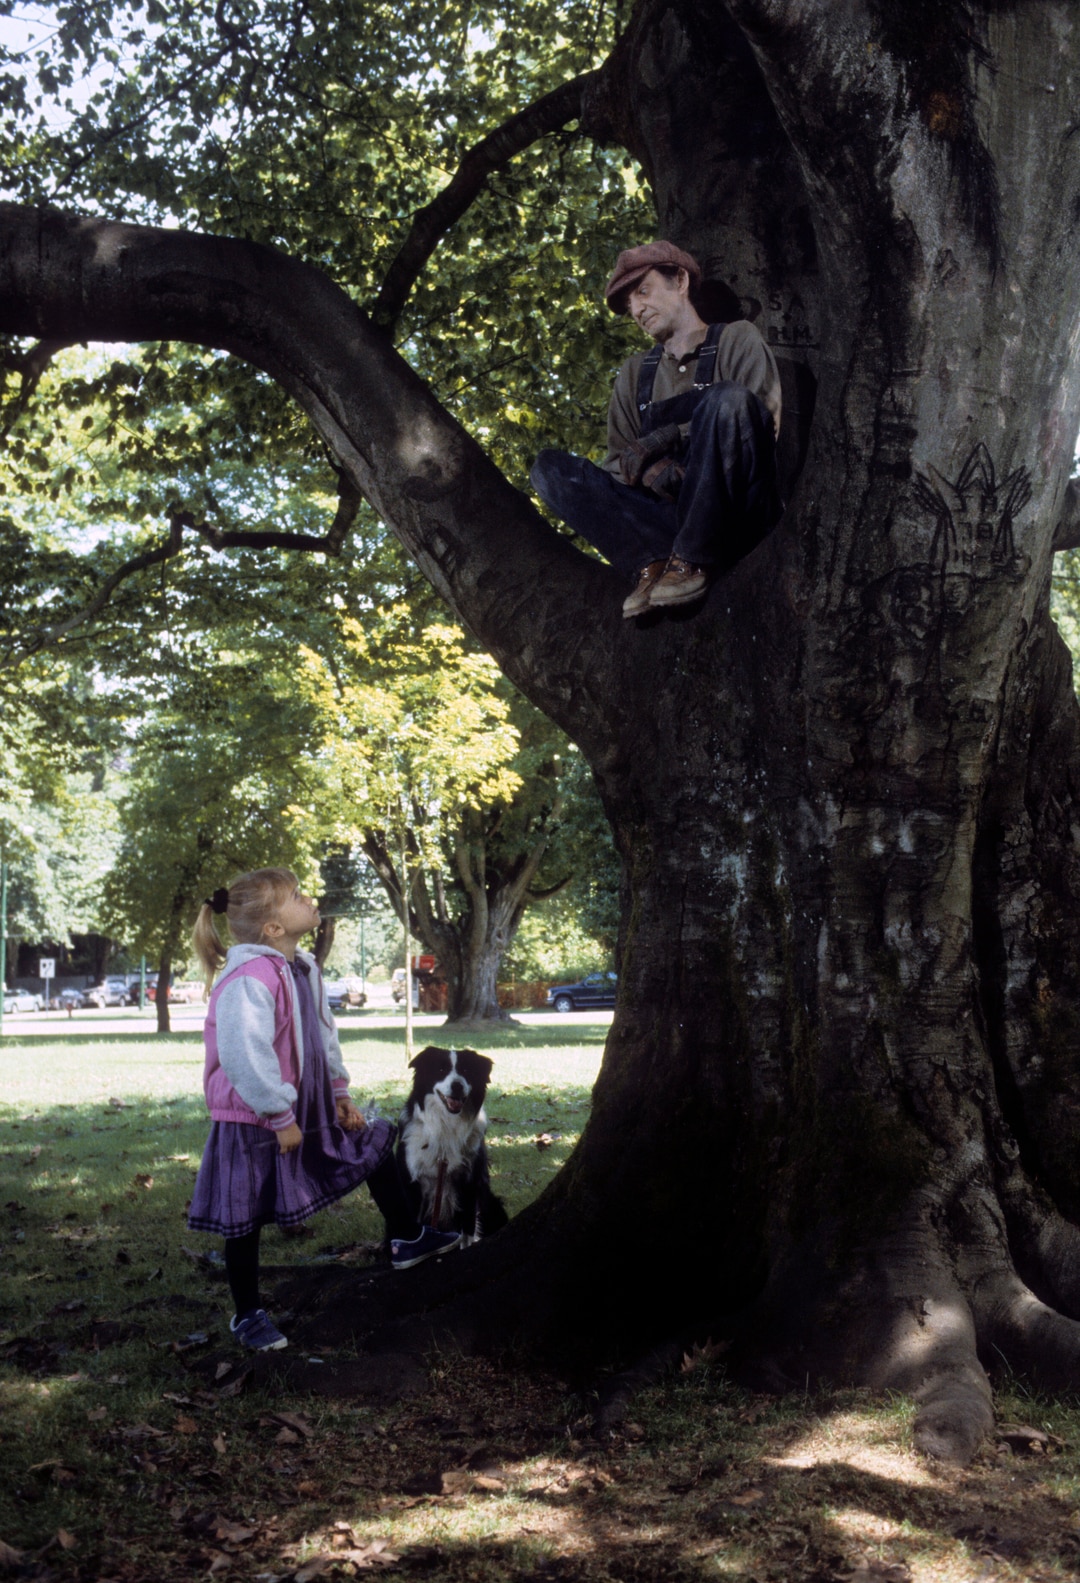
(289, 1138)
(636, 460)
(351, 1119)
(663, 478)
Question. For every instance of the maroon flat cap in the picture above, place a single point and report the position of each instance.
(635, 262)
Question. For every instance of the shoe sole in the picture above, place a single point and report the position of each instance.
(271, 1346)
(436, 1253)
(679, 599)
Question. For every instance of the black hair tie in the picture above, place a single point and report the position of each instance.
(219, 901)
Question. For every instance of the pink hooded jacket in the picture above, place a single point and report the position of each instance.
(254, 1041)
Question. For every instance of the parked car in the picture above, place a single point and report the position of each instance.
(21, 1000)
(345, 994)
(72, 999)
(110, 992)
(133, 989)
(595, 989)
(185, 994)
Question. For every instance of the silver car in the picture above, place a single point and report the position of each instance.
(21, 1000)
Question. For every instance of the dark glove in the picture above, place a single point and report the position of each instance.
(663, 478)
(657, 442)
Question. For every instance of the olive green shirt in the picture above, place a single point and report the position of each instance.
(742, 356)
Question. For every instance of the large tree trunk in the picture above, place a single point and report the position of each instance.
(840, 1102)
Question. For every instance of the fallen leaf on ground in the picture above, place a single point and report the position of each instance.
(144, 1181)
(287, 1437)
(704, 1353)
(544, 1141)
(297, 1421)
(377, 1554)
(9, 1556)
(219, 1445)
(65, 1540)
(752, 1497)
(488, 1483)
(753, 1411)
(185, 1425)
(96, 1414)
(314, 1568)
(117, 1104)
(222, 1369)
(235, 1386)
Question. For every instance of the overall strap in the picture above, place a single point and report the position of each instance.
(705, 372)
(647, 378)
(703, 375)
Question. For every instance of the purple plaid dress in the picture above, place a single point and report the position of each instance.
(245, 1181)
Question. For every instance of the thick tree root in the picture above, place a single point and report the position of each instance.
(1046, 1245)
(617, 1392)
(1018, 1329)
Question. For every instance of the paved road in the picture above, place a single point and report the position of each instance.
(182, 1018)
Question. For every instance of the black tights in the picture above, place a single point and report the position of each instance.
(242, 1253)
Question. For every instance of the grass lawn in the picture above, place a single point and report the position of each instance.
(121, 1457)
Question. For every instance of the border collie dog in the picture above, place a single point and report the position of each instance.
(440, 1152)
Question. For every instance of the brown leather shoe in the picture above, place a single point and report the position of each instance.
(638, 602)
(680, 584)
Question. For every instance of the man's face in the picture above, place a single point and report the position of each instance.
(657, 302)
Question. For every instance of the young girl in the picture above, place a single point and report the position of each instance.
(285, 1138)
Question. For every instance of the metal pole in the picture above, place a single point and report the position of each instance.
(408, 966)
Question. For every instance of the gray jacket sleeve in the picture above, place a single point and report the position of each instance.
(245, 1042)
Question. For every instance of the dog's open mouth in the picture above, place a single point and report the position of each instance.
(452, 1105)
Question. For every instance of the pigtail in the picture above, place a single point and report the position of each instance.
(207, 943)
(248, 902)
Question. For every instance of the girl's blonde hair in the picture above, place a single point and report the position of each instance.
(253, 900)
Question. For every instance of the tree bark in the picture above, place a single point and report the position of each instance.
(161, 991)
(842, 1089)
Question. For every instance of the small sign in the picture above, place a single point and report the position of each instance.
(47, 967)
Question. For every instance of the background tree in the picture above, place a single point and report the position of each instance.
(844, 792)
(455, 805)
(215, 787)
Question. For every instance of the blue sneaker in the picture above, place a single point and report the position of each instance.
(256, 1333)
(429, 1244)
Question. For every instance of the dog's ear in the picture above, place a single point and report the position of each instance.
(429, 1049)
(485, 1061)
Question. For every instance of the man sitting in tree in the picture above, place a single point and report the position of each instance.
(688, 485)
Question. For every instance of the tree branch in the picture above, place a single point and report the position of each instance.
(69, 277)
(432, 222)
(165, 551)
(31, 367)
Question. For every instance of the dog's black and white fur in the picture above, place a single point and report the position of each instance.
(443, 1124)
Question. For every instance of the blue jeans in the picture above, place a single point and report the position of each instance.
(728, 502)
